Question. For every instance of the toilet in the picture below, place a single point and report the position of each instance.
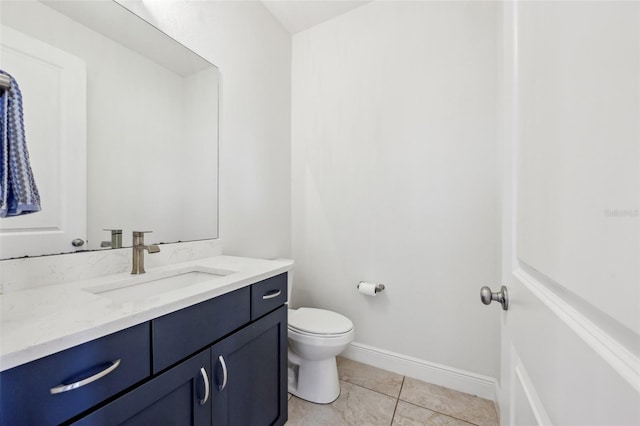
(316, 337)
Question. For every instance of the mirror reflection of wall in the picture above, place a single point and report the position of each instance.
(151, 128)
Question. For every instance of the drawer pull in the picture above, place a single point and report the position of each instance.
(205, 379)
(271, 294)
(224, 373)
(65, 388)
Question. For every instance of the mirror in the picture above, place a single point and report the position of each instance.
(121, 124)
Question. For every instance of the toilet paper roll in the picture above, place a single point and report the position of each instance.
(367, 288)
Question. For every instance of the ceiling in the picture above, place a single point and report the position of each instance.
(298, 15)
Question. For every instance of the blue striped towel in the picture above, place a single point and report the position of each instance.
(18, 191)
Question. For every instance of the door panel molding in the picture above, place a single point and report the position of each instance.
(533, 402)
(623, 361)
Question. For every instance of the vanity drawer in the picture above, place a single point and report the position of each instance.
(26, 390)
(177, 335)
(268, 295)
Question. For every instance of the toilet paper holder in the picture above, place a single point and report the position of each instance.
(379, 287)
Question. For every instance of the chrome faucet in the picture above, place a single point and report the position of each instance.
(138, 251)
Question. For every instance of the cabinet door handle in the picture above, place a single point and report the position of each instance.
(205, 379)
(271, 294)
(65, 388)
(224, 373)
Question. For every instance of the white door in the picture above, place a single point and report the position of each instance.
(570, 339)
(53, 85)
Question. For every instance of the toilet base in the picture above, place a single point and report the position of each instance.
(316, 381)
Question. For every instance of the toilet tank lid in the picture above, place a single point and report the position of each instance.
(319, 321)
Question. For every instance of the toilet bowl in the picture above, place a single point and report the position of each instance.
(316, 337)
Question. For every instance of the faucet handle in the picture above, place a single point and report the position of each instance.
(116, 239)
(138, 237)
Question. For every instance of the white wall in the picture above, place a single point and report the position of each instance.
(394, 176)
(253, 53)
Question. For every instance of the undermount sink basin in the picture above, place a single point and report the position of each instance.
(152, 284)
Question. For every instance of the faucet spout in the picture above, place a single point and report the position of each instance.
(138, 251)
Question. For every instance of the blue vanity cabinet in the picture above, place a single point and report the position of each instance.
(179, 396)
(55, 388)
(219, 362)
(249, 383)
(238, 376)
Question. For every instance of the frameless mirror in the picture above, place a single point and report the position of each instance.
(121, 124)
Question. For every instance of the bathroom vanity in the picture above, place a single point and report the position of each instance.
(211, 352)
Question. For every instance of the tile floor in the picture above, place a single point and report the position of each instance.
(371, 396)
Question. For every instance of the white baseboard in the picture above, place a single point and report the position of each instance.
(442, 375)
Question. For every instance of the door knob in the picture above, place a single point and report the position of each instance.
(502, 296)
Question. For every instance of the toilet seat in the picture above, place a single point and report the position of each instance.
(319, 322)
(293, 331)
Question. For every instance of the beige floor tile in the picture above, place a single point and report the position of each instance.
(355, 406)
(412, 415)
(369, 377)
(456, 404)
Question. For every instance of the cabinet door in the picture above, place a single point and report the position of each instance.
(249, 385)
(178, 397)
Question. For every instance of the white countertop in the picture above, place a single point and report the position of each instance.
(41, 321)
